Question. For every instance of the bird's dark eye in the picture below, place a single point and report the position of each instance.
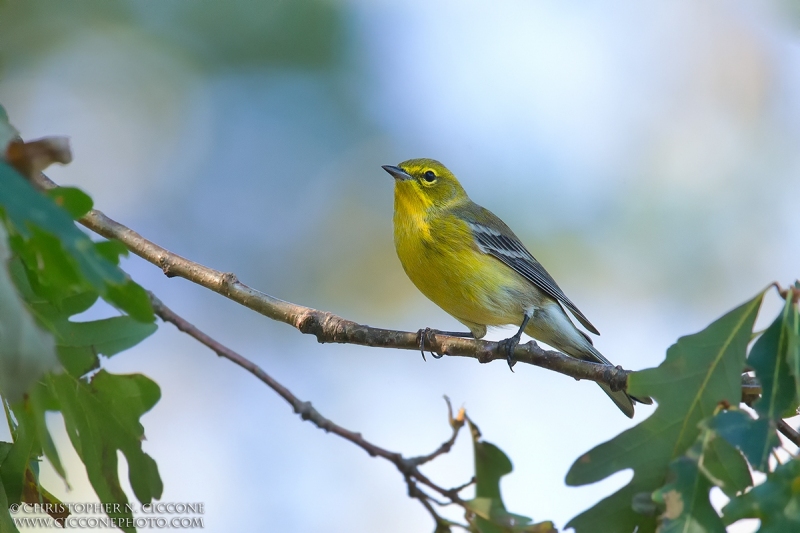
(429, 176)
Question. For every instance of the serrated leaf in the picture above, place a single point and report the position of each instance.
(101, 417)
(26, 209)
(73, 200)
(27, 351)
(699, 372)
(776, 502)
(685, 497)
(754, 437)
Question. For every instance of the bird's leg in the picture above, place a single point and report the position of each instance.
(510, 343)
(425, 334)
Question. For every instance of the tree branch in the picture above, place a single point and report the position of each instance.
(408, 467)
(456, 423)
(328, 327)
(789, 432)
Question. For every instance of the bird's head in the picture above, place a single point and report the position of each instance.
(425, 183)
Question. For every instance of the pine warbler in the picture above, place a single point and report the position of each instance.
(469, 263)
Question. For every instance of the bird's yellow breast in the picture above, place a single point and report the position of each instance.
(439, 255)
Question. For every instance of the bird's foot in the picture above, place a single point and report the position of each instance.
(508, 345)
(427, 335)
(423, 335)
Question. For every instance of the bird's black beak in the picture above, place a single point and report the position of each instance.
(397, 172)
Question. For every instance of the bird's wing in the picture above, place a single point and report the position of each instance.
(494, 238)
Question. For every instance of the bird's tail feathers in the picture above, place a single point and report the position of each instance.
(556, 329)
(621, 398)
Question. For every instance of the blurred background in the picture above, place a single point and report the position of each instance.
(647, 154)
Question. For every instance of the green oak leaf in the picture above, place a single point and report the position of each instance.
(685, 498)
(793, 339)
(754, 437)
(111, 250)
(6, 522)
(491, 515)
(33, 215)
(76, 301)
(723, 465)
(776, 502)
(73, 200)
(79, 343)
(27, 351)
(52, 272)
(34, 493)
(770, 360)
(710, 462)
(102, 417)
(699, 372)
(43, 400)
(16, 461)
(57, 272)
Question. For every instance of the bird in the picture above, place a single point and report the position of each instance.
(469, 262)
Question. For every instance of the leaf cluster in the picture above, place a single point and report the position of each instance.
(50, 272)
(701, 436)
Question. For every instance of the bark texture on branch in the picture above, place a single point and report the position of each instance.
(328, 327)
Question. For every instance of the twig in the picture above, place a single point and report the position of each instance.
(326, 326)
(789, 432)
(456, 423)
(415, 492)
(465, 485)
(407, 467)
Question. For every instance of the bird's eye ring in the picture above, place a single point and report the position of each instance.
(429, 176)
